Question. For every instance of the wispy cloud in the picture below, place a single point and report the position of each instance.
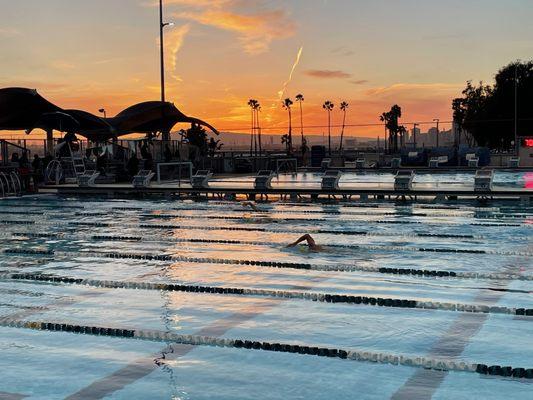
(359, 82)
(174, 39)
(342, 51)
(414, 87)
(62, 65)
(327, 74)
(9, 32)
(256, 25)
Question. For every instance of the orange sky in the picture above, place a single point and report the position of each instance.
(220, 53)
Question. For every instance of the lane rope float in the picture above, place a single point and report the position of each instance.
(312, 296)
(272, 264)
(438, 364)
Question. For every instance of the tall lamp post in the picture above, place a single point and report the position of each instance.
(437, 137)
(165, 135)
(414, 135)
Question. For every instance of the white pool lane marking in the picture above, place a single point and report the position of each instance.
(142, 367)
(423, 384)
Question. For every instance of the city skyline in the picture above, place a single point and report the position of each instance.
(104, 54)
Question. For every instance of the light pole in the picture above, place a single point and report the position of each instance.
(414, 135)
(517, 146)
(437, 120)
(165, 135)
(102, 110)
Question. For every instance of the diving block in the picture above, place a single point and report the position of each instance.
(263, 179)
(396, 162)
(404, 180)
(513, 162)
(360, 163)
(472, 160)
(88, 178)
(349, 164)
(483, 180)
(143, 178)
(325, 164)
(330, 180)
(200, 180)
(434, 162)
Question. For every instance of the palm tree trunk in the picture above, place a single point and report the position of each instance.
(290, 131)
(252, 133)
(342, 131)
(258, 132)
(301, 123)
(329, 132)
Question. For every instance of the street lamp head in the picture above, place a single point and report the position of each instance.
(167, 24)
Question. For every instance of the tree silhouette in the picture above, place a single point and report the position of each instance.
(344, 106)
(328, 106)
(287, 103)
(300, 99)
(486, 113)
(285, 141)
(256, 130)
(251, 104)
(391, 123)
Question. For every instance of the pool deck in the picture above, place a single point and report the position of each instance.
(346, 192)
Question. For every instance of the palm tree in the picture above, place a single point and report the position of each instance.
(287, 103)
(258, 126)
(385, 118)
(300, 99)
(391, 123)
(328, 106)
(344, 105)
(285, 141)
(252, 103)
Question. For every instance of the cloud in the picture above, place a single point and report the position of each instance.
(9, 32)
(414, 87)
(342, 51)
(174, 39)
(327, 74)
(359, 82)
(256, 26)
(62, 65)
(256, 31)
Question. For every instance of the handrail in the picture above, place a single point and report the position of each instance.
(15, 145)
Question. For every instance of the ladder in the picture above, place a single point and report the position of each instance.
(73, 165)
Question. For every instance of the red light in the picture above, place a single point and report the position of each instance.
(528, 142)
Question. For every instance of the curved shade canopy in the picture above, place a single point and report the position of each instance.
(25, 109)
(21, 108)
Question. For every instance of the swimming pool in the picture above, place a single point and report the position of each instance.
(232, 278)
(385, 179)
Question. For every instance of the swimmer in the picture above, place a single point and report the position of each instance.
(251, 205)
(310, 242)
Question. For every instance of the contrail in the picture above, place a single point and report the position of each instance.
(282, 91)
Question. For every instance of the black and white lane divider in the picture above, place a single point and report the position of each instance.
(438, 364)
(312, 296)
(270, 264)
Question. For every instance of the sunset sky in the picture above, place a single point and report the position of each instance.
(371, 53)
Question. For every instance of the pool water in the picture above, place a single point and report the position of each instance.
(384, 179)
(362, 238)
